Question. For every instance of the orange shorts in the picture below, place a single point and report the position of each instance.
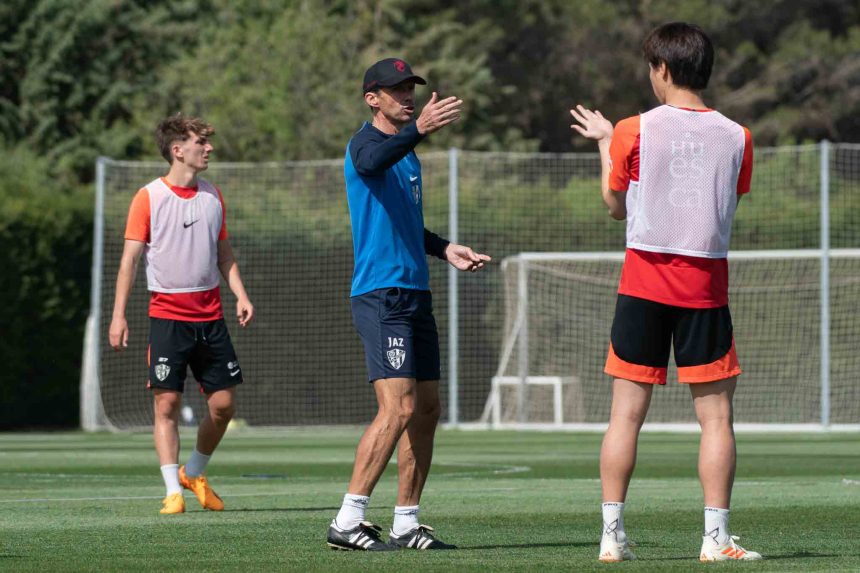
(644, 331)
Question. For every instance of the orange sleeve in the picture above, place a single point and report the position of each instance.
(137, 226)
(624, 142)
(222, 234)
(745, 176)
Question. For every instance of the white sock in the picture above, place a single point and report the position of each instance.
(170, 473)
(352, 511)
(717, 525)
(613, 520)
(196, 464)
(405, 519)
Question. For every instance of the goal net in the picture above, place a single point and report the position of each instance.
(559, 309)
(304, 365)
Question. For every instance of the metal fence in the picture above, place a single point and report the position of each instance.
(289, 226)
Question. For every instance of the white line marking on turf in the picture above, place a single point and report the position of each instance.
(484, 469)
(128, 498)
(57, 476)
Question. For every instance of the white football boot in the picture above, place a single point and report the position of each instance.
(614, 550)
(730, 551)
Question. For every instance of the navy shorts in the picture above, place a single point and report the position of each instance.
(399, 334)
(174, 345)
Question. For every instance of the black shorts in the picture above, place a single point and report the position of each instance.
(397, 328)
(644, 330)
(205, 346)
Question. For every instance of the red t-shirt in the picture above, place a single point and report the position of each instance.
(677, 280)
(200, 306)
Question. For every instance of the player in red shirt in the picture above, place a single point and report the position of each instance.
(179, 223)
(676, 173)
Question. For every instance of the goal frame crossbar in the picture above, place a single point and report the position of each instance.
(518, 338)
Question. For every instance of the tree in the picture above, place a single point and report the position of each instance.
(75, 68)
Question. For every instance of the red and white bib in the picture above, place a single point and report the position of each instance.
(182, 255)
(686, 196)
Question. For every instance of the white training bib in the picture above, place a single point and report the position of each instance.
(685, 200)
(182, 255)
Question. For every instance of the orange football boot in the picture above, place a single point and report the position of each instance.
(173, 503)
(205, 495)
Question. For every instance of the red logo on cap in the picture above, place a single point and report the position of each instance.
(399, 65)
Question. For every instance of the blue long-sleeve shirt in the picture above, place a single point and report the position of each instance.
(384, 191)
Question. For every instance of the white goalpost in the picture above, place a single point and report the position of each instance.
(558, 314)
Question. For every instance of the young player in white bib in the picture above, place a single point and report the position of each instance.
(179, 223)
(676, 173)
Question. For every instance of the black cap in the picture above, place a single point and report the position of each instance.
(389, 72)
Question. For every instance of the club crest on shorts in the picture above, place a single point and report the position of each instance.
(161, 371)
(396, 357)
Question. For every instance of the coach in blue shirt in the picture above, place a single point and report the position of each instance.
(391, 303)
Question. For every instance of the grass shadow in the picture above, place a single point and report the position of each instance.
(267, 509)
(766, 557)
(529, 545)
(807, 555)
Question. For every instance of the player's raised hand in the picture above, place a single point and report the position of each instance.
(438, 113)
(465, 259)
(591, 124)
(244, 312)
(118, 333)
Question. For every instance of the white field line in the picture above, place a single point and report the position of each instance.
(484, 469)
(51, 476)
(128, 498)
(487, 469)
(511, 469)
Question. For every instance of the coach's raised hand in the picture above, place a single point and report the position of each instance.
(438, 113)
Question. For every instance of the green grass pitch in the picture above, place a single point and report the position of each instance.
(511, 501)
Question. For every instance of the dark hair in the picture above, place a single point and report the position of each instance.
(685, 49)
(176, 128)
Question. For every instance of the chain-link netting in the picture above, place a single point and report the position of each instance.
(288, 224)
(844, 176)
(303, 362)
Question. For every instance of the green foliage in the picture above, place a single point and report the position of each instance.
(45, 249)
(789, 70)
(302, 99)
(279, 78)
(77, 66)
(288, 104)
